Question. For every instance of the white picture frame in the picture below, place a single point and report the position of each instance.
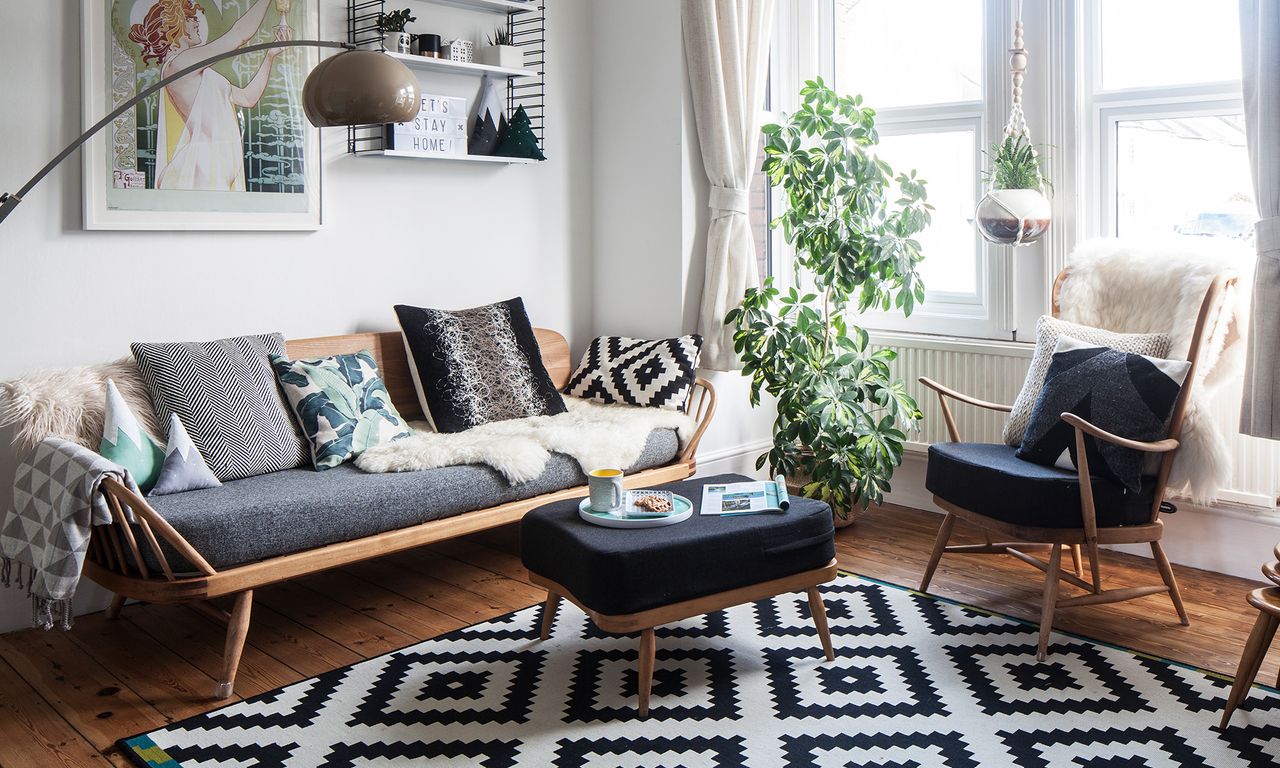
(109, 203)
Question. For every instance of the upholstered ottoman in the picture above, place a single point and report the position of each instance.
(633, 580)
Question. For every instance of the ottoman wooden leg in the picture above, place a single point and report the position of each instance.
(647, 651)
(549, 613)
(819, 612)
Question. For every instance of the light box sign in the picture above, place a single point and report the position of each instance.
(440, 129)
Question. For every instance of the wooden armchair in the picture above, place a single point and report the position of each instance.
(1019, 509)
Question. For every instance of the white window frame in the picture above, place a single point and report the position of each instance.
(1106, 109)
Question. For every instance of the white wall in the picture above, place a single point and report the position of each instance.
(433, 233)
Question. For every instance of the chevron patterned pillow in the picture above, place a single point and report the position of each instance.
(226, 394)
(1126, 394)
(655, 374)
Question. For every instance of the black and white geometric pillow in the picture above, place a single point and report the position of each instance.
(1123, 393)
(474, 366)
(226, 395)
(654, 374)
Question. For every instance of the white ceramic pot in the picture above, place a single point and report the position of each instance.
(506, 56)
(398, 42)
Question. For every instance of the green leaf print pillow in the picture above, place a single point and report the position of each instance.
(341, 404)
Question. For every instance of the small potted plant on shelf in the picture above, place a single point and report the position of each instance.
(842, 417)
(392, 25)
(1015, 210)
(500, 52)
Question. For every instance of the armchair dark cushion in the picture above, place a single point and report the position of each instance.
(990, 480)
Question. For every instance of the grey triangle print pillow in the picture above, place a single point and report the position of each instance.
(474, 366)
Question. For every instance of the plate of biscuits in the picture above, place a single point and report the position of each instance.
(640, 509)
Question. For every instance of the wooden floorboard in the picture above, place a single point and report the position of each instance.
(65, 698)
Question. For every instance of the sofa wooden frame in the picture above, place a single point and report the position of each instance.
(116, 558)
(1014, 539)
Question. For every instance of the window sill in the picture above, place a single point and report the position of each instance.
(952, 343)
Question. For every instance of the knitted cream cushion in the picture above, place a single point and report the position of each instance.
(1048, 331)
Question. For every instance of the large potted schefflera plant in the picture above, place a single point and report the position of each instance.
(842, 417)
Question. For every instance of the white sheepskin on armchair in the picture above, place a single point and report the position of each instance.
(1157, 287)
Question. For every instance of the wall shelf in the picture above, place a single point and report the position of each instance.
(496, 6)
(457, 67)
(454, 158)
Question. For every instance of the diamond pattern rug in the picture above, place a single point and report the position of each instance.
(917, 682)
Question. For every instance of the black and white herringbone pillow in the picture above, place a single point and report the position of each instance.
(226, 395)
(656, 374)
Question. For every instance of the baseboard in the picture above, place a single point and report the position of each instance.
(739, 459)
(1225, 538)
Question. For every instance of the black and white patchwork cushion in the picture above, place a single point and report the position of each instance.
(474, 366)
(1123, 393)
(655, 374)
(226, 395)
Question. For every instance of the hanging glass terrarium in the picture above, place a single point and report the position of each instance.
(1015, 210)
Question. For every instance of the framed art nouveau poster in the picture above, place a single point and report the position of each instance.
(226, 147)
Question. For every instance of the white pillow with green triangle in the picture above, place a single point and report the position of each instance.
(178, 467)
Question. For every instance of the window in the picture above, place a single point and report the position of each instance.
(1167, 134)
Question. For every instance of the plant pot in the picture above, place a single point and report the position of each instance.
(398, 42)
(505, 56)
(1013, 216)
(795, 487)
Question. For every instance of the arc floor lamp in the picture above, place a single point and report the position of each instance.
(354, 87)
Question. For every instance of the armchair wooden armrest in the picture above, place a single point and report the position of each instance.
(1159, 446)
(945, 392)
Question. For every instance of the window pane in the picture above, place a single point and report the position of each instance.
(1187, 176)
(909, 52)
(1168, 42)
(946, 161)
(758, 214)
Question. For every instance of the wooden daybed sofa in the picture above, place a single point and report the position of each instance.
(152, 561)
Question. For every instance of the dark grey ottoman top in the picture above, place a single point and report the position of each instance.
(616, 571)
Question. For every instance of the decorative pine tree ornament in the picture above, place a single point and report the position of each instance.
(520, 140)
(1015, 210)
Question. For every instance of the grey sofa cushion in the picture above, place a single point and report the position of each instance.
(299, 509)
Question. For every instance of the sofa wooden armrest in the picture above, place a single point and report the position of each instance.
(119, 552)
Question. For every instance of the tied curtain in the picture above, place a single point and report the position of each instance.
(1260, 49)
(727, 51)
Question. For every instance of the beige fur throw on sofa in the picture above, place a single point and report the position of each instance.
(1157, 287)
(70, 404)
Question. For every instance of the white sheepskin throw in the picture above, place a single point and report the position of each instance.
(70, 404)
(1157, 287)
(595, 435)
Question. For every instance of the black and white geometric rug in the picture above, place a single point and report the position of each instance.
(917, 682)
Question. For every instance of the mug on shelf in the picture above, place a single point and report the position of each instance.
(605, 486)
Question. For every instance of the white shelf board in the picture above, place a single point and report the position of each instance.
(497, 6)
(456, 158)
(456, 67)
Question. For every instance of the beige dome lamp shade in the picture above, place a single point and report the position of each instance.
(360, 88)
(1015, 210)
(353, 87)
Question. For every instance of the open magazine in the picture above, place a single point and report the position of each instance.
(753, 498)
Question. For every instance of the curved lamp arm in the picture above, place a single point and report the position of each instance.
(10, 201)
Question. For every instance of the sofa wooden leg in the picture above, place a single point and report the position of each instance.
(549, 614)
(1166, 573)
(113, 610)
(648, 649)
(939, 546)
(1255, 650)
(237, 631)
(1050, 601)
(819, 612)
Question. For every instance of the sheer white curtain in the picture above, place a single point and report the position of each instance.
(1260, 45)
(727, 49)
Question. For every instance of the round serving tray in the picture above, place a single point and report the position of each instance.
(683, 510)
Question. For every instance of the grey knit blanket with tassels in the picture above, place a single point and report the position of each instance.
(56, 503)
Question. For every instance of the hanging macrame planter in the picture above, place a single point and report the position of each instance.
(1015, 210)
